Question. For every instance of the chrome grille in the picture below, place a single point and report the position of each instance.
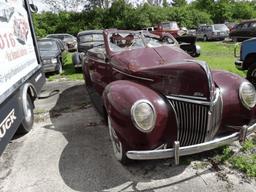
(198, 121)
(192, 122)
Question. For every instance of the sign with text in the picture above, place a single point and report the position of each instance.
(17, 53)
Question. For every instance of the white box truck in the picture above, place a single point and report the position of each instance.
(21, 75)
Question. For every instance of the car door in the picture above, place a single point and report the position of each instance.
(99, 69)
(244, 32)
(252, 29)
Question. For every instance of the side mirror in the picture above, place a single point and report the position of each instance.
(33, 8)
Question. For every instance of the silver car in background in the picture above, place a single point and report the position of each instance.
(212, 32)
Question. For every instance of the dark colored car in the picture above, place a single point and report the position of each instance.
(85, 41)
(244, 30)
(51, 54)
(69, 40)
(160, 102)
(247, 58)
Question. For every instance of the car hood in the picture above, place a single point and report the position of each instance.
(168, 70)
(49, 54)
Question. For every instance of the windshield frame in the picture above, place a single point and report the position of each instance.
(113, 47)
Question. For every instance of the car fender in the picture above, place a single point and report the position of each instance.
(119, 97)
(234, 112)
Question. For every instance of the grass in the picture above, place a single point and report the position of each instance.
(243, 160)
(69, 72)
(219, 55)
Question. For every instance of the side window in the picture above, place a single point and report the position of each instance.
(245, 26)
(239, 26)
(253, 25)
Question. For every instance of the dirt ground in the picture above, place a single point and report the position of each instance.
(69, 150)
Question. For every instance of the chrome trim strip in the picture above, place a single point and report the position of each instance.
(190, 97)
(142, 78)
(188, 150)
(189, 100)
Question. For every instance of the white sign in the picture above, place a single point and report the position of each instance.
(17, 53)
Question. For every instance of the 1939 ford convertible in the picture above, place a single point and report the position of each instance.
(160, 102)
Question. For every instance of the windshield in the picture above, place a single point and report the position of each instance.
(47, 46)
(121, 41)
(171, 25)
(90, 38)
(220, 27)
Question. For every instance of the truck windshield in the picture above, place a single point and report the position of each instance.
(170, 25)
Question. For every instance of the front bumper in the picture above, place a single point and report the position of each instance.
(239, 64)
(178, 151)
(50, 67)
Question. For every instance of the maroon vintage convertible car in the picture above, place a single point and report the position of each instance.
(160, 102)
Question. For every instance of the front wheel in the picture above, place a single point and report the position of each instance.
(60, 69)
(251, 74)
(118, 147)
(27, 123)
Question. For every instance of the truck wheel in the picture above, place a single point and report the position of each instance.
(27, 123)
(118, 147)
(251, 74)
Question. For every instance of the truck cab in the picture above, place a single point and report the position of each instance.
(246, 59)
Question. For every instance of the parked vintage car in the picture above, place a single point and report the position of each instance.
(243, 31)
(68, 39)
(212, 32)
(51, 53)
(247, 58)
(162, 103)
(85, 41)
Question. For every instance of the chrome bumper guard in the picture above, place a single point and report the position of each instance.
(239, 64)
(178, 151)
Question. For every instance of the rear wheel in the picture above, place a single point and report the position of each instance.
(118, 148)
(251, 74)
(27, 123)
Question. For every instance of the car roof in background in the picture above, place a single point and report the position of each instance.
(89, 32)
(248, 21)
(48, 39)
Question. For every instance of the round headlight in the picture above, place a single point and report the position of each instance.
(54, 60)
(247, 94)
(143, 115)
